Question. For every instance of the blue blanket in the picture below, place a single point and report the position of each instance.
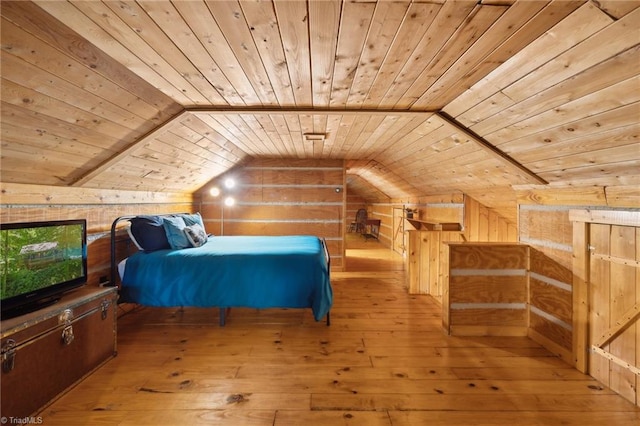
(234, 271)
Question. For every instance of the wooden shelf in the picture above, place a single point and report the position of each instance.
(423, 225)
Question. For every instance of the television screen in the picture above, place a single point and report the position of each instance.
(39, 261)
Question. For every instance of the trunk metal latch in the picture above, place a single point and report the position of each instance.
(104, 306)
(67, 335)
(8, 355)
(66, 317)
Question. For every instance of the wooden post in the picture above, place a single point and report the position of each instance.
(580, 295)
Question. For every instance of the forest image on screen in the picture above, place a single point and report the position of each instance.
(38, 257)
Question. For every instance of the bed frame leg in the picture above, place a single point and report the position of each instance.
(223, 316)
(328, 319)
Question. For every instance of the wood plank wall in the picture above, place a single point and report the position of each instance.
(354, 203)
(439, 208)
(383, 212)
(549, 232)
(543, 214)
(436, 208)
(479, 222)
(548, 229)
(550, 304)
(446, 208)
(487, 290)
(427, 262)
(484, 224)
(282, 197)
(27, 203)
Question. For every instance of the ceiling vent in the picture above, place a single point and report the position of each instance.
(313, 137)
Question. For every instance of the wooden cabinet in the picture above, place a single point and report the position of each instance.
(47, 351)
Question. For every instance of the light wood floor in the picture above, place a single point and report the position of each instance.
(383, 361)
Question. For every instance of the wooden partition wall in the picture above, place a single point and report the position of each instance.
(427, 262)
(486, 294)
(550, 304)
(590, 240)
(508, 289)
(354, 203)
(384, 213)
(483, 224)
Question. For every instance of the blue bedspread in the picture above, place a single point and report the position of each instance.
(233, 271)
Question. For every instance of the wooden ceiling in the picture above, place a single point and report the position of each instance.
(419, 97)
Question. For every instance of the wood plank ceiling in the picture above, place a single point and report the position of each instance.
(419, 97)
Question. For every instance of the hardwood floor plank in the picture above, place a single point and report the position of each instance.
(322, 373)
(483, 373)
(514, 362)
(480, 402)
(150, 399)
(201, 417)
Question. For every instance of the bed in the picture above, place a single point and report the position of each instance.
(222, 271)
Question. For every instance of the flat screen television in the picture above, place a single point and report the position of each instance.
(39, 262)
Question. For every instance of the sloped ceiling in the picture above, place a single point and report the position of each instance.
(419, 97)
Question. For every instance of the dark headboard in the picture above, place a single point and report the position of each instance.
(114, 259)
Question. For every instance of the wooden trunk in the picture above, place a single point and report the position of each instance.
(47, 351)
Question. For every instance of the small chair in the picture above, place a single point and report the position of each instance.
(361, 220)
